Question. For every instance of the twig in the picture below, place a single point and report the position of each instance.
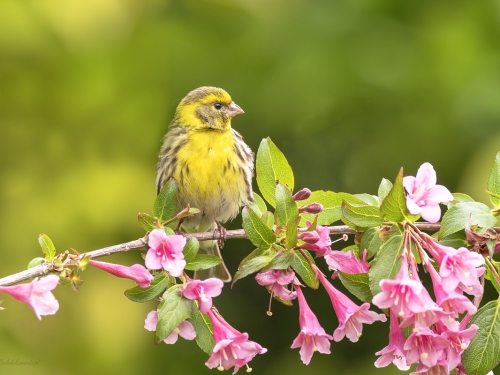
(141, 243)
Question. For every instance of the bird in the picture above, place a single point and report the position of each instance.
(211, 163)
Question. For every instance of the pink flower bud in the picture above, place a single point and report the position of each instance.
(313, 208)
(302, 194)
(137, 272)
(309, 237)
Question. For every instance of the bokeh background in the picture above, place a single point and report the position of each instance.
(350, 91)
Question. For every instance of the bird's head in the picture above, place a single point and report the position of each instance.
(207, 107)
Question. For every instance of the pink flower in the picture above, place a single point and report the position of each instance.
(458, 341)
(185, 329)
(440, 368)
(431, 314)
(347, 262)
(37, 294)
(452, 303)
(312, 336)
(166, 252)
(232, 348)
(275, 280)
(323, 244)
(403, 295)
(460, 267)
(394, 352)
(351, 316)
(424, 195)
(425, 346)
(136, 272)
(202, 291)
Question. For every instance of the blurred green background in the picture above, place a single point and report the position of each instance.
(350, 91)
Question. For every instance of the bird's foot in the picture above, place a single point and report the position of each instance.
(222, 235)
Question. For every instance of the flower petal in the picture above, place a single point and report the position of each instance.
(431, 212)
(426, 175)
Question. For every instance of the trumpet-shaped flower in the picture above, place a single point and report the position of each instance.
(312, 336)
(403, 295)
(232, 348)
(460, 267)
(275, 280)
(166, 252)
(458, 340)
(394, 352)
(37, 294)
(347, 262)
(351, 316)
(424, 195)
(425, 346)
(202, 291)
(322, 245)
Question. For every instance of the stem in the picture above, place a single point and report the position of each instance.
(141, 244)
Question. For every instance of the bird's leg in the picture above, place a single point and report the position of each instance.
(222, 234)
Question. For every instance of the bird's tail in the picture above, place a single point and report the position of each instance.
(220, 271)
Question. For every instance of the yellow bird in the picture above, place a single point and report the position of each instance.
(211, 163)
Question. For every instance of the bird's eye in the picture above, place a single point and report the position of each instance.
(218, 106)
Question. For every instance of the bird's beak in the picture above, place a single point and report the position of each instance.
(234, 109)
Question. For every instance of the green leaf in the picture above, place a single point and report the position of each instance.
(272, 167)
(331, 202)
(156, 289)
(147, 222)
(253, 265)
(393, 207)
(258, 205)
(254, 254)
(493, 186)
(204, 331)
(191, 249)
(36, 262)
(371, 241)
(384, 189)
(460, 198)
(291, 234)
(258, 232)
(286, 209)
(304, 270)
(268, 219)
(357, 284)
(281, 261)
(361, 216)
(464, 215)
(169, 231)
(455, 240)
(48, 248)
(203, 262)
(483, 352)
(166, 203)
(386, 263)
(172, 310)
(489, 276)
(368, 199)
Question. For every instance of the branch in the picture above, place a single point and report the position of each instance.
(141, 244)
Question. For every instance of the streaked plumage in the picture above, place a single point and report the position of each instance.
(211, 163)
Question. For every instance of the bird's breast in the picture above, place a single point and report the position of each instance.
(210, 175)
